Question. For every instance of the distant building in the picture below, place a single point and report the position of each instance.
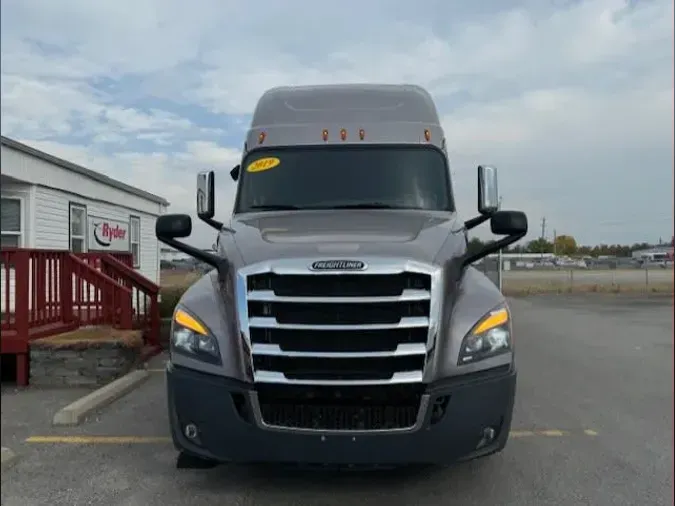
(524, 256)
(655, 254)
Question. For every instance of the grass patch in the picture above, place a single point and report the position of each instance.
(178, 278)
(170, 297)
(173, 284)
(90, 336)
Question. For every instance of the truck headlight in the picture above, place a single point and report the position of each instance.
(491, 336)
(190, 336)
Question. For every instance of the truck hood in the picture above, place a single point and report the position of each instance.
(412, 234)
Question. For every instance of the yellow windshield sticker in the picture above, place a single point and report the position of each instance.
(263, 164)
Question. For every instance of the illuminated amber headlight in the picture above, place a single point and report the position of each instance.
(491, 336)
(190, 337)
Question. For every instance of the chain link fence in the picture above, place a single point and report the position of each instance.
(652, 278)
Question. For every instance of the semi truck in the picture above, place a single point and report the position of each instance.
(342, 323)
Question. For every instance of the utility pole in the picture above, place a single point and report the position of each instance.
(555, 236)
(543, 235)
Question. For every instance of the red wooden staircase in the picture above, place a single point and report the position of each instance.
(46, 292)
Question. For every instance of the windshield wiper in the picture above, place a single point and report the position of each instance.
(275, 207)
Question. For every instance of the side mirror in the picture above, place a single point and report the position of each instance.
(509, 223)
(173, 226)
(512, 224)
(205, 195)
(234, 173)
(170, 227)
(488, 191)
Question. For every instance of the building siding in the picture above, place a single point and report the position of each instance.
(52, 222)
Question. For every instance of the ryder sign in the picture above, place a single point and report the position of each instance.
(106, 234)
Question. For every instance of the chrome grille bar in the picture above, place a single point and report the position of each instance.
(405, 323)
(397, 379)
(407, 296)
(402, 350)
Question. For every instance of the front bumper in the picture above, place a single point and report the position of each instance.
(475, 403)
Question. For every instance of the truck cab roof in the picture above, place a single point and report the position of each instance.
(345, 113)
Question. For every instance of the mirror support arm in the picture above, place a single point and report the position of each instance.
(491, 247)
(215, 224)
(474, 222)
(209, 258)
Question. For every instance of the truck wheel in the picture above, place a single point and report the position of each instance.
(188, 461)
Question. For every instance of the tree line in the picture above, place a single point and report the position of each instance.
(567, 245)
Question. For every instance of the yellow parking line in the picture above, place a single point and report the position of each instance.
(521, 433)
(102, 440)
(552, 433)
(97, 439)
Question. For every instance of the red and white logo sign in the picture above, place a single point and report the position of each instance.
(107, 234)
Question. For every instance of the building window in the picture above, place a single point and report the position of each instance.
(78, 228)
(10, 220)
(135, 240)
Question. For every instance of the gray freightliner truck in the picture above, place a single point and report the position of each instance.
(343, 323)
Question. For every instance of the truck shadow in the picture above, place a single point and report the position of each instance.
(294, 479)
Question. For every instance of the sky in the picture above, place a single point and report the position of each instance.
(571, 100)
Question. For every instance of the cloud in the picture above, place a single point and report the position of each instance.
(572, 100)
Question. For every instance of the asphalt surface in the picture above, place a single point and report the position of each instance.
(600, 364)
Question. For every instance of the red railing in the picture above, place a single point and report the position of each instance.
(145, 293)
(145, 296)
(101, 300)
(94, 259)
(31, 288)
(45, 292)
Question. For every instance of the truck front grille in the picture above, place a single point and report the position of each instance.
(335, 329)
(340, 409)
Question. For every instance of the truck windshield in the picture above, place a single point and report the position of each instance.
(345, 177)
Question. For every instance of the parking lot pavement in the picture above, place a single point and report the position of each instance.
(26, 411)
(592, 426)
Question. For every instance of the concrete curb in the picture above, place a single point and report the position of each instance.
(75, 413)
(8, 458)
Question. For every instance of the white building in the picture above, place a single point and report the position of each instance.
(50, 203)
(655, 254)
